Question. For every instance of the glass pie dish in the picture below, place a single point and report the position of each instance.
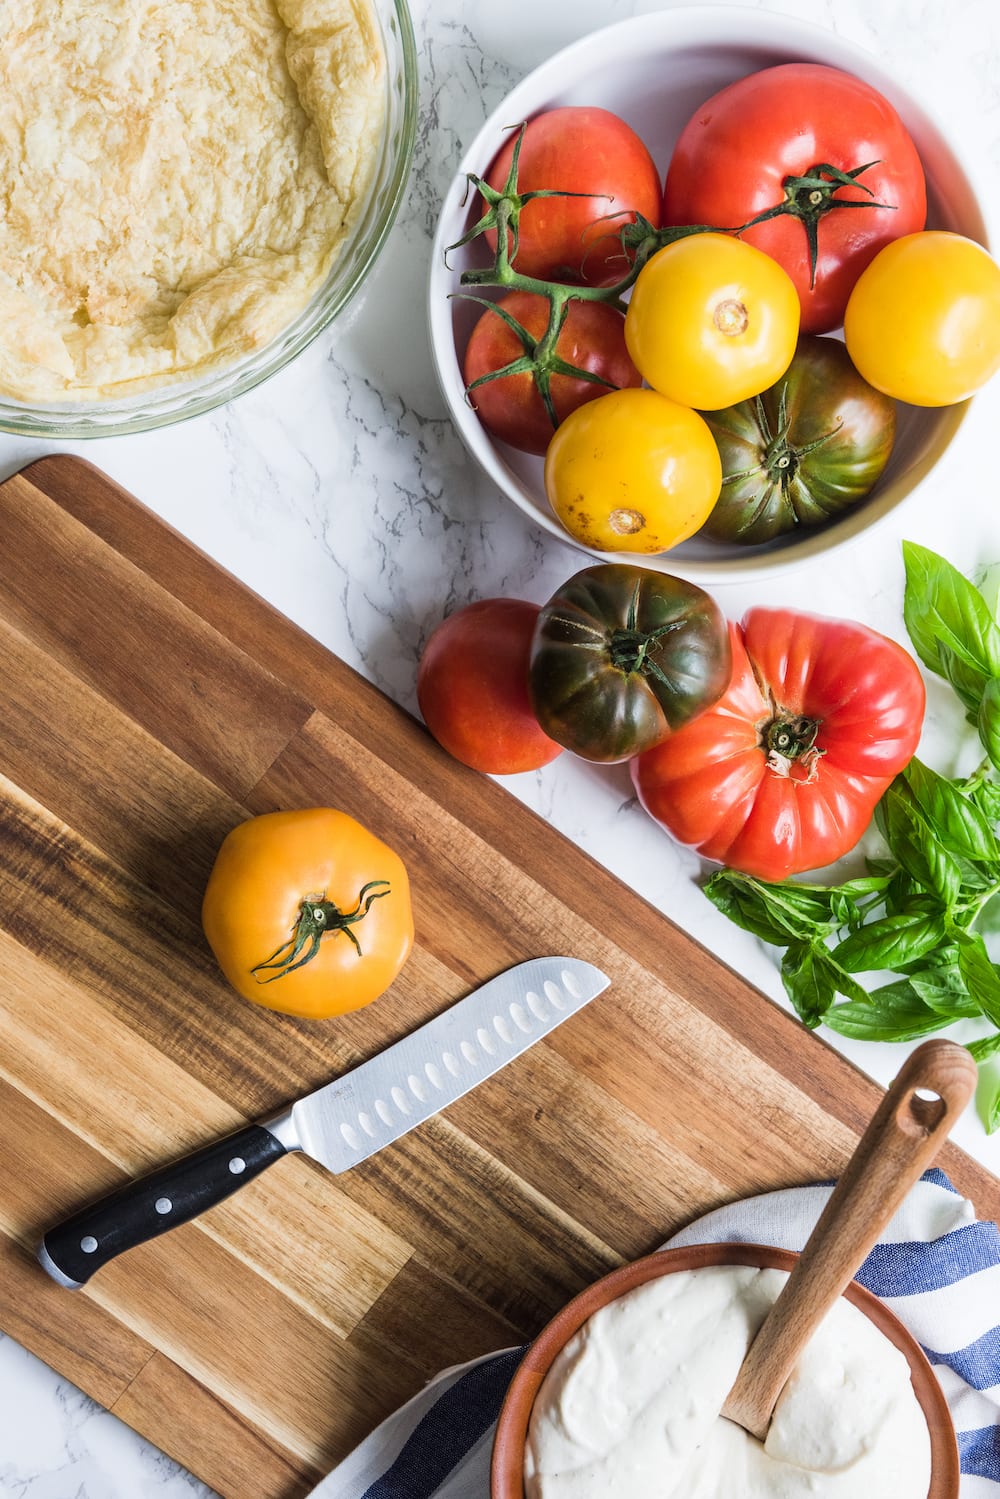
(192, 396)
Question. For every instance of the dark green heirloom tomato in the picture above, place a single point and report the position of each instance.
(805, 450)
(622, 655)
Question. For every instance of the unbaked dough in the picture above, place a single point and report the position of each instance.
(178, 177)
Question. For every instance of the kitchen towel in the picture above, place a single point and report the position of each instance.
(935, 1266)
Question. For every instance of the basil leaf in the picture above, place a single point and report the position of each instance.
(988, 720)
(943, 989)
(844, 910)
(775, 913)
(954, 819)
(731, 895)
(900, 893)
(809, 982)
(891, 940)
(892, 1013)
(986, 795)
(921, 854)
(981, 976)
(840, 902)
(967, 682)
(986, 1046)
(812, 903)
(862, 884)
(942, 963)
(988, 1090)
(942, 610)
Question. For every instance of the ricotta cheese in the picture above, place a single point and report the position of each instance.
(630, 1408)
(178, 177)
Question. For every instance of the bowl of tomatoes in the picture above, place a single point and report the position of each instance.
(642, 275)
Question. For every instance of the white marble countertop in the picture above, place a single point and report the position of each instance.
(340, 492)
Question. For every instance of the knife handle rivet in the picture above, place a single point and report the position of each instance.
(237, 1164)
(89, 1244)
(163, 1205)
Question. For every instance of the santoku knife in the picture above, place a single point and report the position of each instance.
(342, 1123)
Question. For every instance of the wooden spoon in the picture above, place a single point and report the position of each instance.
(904, 1136)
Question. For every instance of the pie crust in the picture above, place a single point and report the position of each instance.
(178, 176)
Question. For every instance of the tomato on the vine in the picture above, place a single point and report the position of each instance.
(923, 321)
(805, 142)
(782, 774)
(472, 688)
(512, 406)
(632, 472)
(802, 452)
(590, 152)
(711, 321)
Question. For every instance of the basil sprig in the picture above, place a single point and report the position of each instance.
(914, 914)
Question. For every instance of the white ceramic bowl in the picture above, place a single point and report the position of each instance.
(654, 71)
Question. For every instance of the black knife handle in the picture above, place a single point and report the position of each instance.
(149, 1206)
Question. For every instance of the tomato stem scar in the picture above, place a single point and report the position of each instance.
(316, 917)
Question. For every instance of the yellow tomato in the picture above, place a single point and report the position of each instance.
(923, 321)
(632, 472)
(712, 321)
(308, 912)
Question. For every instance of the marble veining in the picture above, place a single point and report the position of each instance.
(340, 491)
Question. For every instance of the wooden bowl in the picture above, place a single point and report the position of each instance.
(507, 1473)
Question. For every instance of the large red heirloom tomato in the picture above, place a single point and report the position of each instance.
(782, 774)
(820, 150)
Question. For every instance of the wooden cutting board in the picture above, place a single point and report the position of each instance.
(151, 703)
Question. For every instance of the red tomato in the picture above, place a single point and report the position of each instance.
(579, 150)
(782, 774)
(738, 151)
(591, 338)
(472, 687)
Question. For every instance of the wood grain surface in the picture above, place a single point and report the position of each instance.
(151, 703)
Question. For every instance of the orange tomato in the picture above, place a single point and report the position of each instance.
(923, 321)
(308, 912)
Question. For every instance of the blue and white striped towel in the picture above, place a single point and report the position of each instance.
(935, 1266)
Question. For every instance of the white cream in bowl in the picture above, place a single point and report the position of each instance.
(630, 1408)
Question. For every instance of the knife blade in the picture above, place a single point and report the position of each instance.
(341, 1123)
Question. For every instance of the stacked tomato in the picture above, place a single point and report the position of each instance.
(667, 351)
(764, 745)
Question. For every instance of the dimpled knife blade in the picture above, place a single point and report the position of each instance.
(343, 1122)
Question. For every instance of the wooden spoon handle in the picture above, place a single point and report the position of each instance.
(902, 1139)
